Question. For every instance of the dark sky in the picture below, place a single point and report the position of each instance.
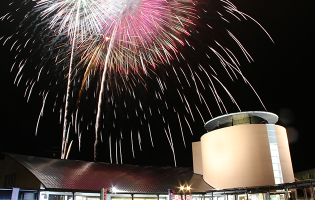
(282, 75)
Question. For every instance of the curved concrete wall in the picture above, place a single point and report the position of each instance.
(239, 156)
(284, 153)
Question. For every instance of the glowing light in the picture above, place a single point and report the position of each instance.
(114, 190)
(184, 188)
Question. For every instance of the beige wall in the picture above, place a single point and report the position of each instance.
(284, 154)
(23, 178)
(239, 156)
(197, 157)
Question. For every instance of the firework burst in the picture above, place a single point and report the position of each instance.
(128, 64)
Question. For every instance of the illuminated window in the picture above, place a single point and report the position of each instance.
(274, 152)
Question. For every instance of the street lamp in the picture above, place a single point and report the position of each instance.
(184, 190)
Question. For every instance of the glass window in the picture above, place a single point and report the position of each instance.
(276, 166)
(275, 197)
(276, 173)
(278, 180)
(274, 152)
(121, 198)
(80, 198)
(274, 146)
(92, 198)
(59, 197)
(275, 159)
(272, 140)
(270, 127)
(221, 198)
(271, 133)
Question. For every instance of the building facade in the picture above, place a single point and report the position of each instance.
(244, 156)
(243, 149)
(36, 178)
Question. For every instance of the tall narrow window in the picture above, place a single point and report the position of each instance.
(274, 151)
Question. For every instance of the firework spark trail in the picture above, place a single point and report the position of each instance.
(170, 140)
(101, 93)
(150, 134)
(131, 140)
(41, 112)
(181, 129)
(112, 46)
(65, 121)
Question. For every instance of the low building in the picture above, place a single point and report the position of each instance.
(244, 156)
(305, 175)
(56, 179)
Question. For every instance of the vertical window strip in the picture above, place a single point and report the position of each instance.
(274, 152)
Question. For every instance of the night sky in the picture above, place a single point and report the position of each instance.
(282, 75)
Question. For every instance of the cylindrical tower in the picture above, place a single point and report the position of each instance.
(243, 149)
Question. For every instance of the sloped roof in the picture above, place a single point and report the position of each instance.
(91, 176)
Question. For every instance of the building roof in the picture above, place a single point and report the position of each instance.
(57, 174)
(271, 118)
